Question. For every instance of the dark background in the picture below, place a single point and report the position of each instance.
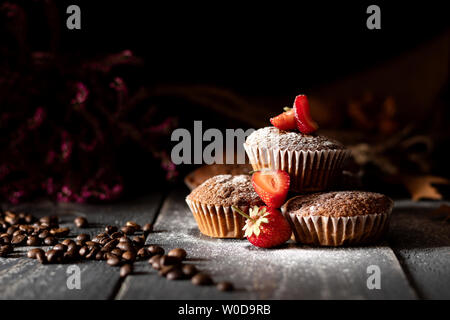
(230, 64)
(249, 45)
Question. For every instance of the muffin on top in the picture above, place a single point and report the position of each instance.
(312, 161)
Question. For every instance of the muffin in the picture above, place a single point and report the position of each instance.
(312, 161)
(200, 175)
(338, 218)
(211, 204)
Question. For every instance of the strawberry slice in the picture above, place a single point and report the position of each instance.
(272, 186)
(285, 120)
(303, 119)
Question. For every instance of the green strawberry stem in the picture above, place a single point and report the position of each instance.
(242, 213)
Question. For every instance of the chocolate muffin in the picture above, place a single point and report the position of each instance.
(338, 218)
(211, 204)
(312, 161)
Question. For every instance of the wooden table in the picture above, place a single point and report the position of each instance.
(414, 260)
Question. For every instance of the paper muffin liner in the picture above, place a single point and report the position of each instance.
(309, 171)
(218, 221)
(338, 231)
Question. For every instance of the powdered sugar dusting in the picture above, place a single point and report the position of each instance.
(338, 204)
(226, 190)
(272, 137)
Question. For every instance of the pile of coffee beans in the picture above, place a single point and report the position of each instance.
(118, 246)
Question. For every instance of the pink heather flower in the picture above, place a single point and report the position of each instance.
(14, 198)
(49, 186)
(64, 195)
(81, 94)
(51, 155)
(37, 119)
(66, 146)
(119, 85)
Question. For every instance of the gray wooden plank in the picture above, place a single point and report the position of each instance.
(291, 272)
(422, 243)
(23, 278)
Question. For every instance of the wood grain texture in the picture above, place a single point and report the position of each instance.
(23, 278)
(290, 272)
(422, 243)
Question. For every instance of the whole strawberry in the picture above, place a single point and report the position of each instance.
(265, 227)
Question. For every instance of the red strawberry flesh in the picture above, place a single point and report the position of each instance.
(272, 186)
(284, 121)
(305, 124)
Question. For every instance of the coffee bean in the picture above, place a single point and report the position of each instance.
(50, 241)
(73, 246)
(154, 250)
(60, 246)
(79, 243)
(154, 258)
(11, 230)
(175, 274)
(225, 286)
(54, 256)
(169, 261)
(117, 252)
(70, 255)
(18, 233)
(83, 237)
(81, 222)
(5, 239)
(19, 239)
(110, 245)
(60, 232)
(129, 256)
(143, 253)
(33, 253)
(133, 225)
(201, 279)
(100, 256)
(26, 228)
(40, 256)
(6, 248)
(165, 270)
(110, 229)
(147, 228)
(116, 235)
(125, 246)
(113, 261)
(189, 270)
(51, 221)
(101, 236)
(92, 253)
(83, 251)
(156, 265)
(67, 242)
(108, 255)
(44, 234)
(138, 241)
(91, 243)
(128, 230)
(125, 270)
(124, 239)
(33, 241)
(177, 252)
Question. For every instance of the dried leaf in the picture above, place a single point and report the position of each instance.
(420, 187)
